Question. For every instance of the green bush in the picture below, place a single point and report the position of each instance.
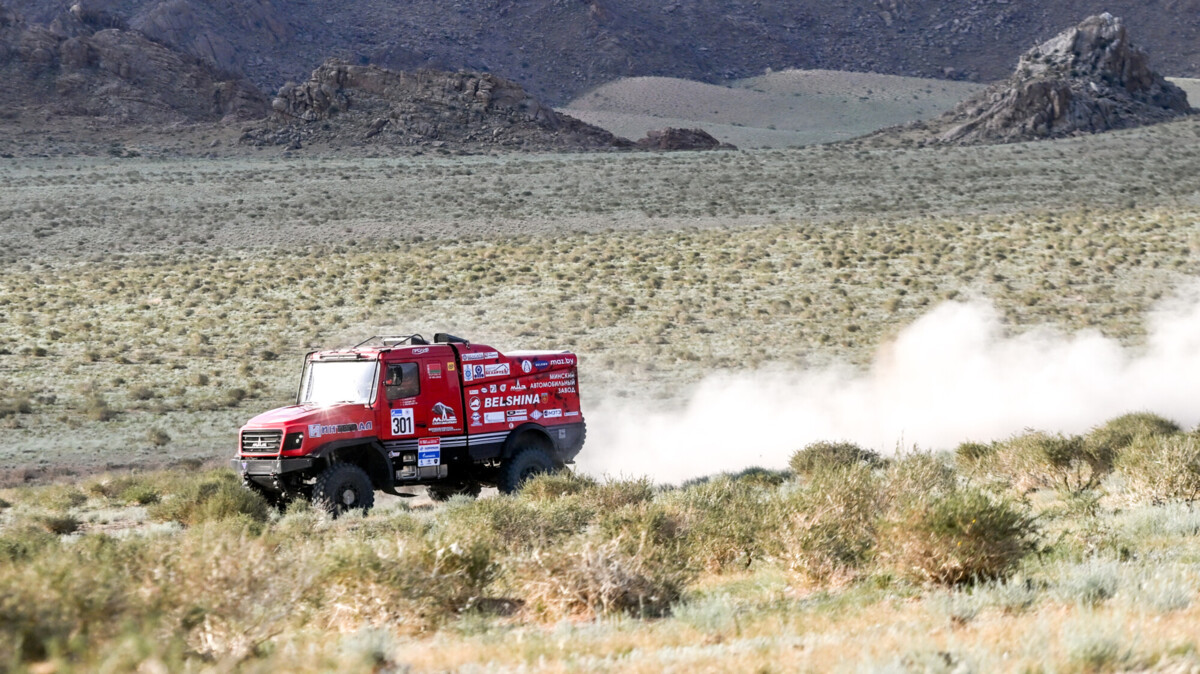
(550, 486)
(1038, 460)
(725, 523)
(957, 537)
(1158, 469)
(829, 525)
(212, 499)
(597, 579)
(514, 523)
(1118, 434)
(823, 455)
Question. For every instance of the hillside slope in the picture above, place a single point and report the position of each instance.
(558, 50)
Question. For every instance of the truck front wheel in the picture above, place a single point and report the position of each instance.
(524, 465)
(343, 487)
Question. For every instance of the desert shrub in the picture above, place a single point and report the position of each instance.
(550, 486)
(650, 528)
(157, 437)
(762, 477)
(1118, 434)
(58, 524)
(725, 523)
(411, 581)
(20, 542)
(218, 497)
(514, 523)
(596, 579)
(957, 537)
(916, 476)
(822, 455)
(829, 525)
(1158, 469)
(968, 452)
(54, 497)
(613, 494)
(1039, 460)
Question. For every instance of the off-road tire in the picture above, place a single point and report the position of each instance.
(523, 465)
(444, 492)
(343, 487)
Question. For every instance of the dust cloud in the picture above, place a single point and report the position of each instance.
(958, 373)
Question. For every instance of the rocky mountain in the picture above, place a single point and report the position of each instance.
(559, 48)
(88, 63)
(1088, 79)
(343, 104)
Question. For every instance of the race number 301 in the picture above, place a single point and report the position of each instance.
(402, 421)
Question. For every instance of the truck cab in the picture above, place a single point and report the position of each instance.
(394, 412)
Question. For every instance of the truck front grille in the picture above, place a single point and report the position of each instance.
(261, 442)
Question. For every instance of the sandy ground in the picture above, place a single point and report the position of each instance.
(785, 109)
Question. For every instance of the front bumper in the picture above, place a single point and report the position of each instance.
(270, 467)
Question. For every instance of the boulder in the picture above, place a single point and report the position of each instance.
(682, 139)
(1088, 79)
(356, 103)
(79, 65)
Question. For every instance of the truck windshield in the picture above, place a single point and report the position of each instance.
(331, 382)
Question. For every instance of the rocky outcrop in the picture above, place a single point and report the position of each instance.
(84, 63)
(343, 103)
(1088, 79)
(682, 139)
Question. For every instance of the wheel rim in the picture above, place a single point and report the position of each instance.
(349, 497)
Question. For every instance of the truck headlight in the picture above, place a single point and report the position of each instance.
(293, 441)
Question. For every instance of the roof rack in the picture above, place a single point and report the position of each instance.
(393, 340)
(446, 338)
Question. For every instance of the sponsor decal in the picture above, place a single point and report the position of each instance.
(541, 364)
(493, 417)
(475, 419)
(516, 415)
(526, 366)
(443, 415)
(551, 384)
(571, 414)
(568, 389)
(518, 386)
(472, 372)
(473, 392)
(492, 388)
(318, 430)
(434, 370)
(474, 403)
(450, 367)
(535, 415)
(563, 375)
(429, 451)
(402, 421)
(563, 361)
(553, 414)
(482, 355)
(503, 387)
(509, 401)
(417, 352)
(545, 398)
(496, 370)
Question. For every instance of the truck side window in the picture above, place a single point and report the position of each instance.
(403, 380)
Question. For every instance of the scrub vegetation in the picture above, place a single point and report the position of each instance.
(149, 306)
(939, 562)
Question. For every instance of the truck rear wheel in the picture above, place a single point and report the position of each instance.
(343, 487)
(523, 465)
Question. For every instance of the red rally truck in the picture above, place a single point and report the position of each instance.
(394, 412)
